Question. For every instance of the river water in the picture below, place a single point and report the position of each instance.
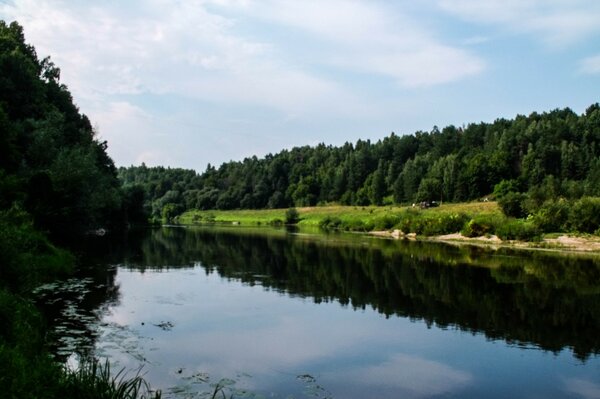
(288, 314)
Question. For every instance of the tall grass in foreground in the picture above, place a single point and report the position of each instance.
(95, 380)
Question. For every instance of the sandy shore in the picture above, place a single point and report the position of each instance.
(560, 243)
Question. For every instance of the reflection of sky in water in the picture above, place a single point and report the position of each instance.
(223, 328)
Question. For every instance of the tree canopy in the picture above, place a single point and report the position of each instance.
(51, 162)
(552, 154)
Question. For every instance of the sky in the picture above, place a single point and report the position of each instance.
(184, 83)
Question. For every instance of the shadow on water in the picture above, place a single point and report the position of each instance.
(528, 298)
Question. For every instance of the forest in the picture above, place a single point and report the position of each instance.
(527, 161)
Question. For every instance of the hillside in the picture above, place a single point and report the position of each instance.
(545, 155)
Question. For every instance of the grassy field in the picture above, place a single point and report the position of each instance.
(357, 218)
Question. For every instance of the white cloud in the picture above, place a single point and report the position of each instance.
(557, 23)
(181, 49)
(228, 54)
(590, 65)
(414, 376)
(369, 38)
(582, 388)
(188, 49)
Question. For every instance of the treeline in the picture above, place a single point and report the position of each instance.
(56, 179)
(553, 154)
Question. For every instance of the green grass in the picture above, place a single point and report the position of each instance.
(444, 219)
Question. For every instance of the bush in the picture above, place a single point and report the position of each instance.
(481, 225)
(27, 257)
(552, 216)
(512, 204)
(518, 230)
(292, 216)
(584, 215)
(276, 222)
(357, 225)
(329, 223)
(444, 224)
(386, 222)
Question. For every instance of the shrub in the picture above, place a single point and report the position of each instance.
(518, 230)
(330, 223)
(444, 224)
(27, 257)
(552, 216)
(276, 222)
(512, 204)
(386, 222)
(292, 216)
(357, 225)
(584, 215)
(505, 187)
(481, 225)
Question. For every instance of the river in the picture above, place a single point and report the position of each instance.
(269, 313)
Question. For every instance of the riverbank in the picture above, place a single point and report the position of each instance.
(474, 223)
(551, 242)
(351, 218)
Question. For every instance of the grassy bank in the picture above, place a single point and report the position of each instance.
(447, 218)
(453, 222)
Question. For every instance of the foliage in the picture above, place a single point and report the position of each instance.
(512, 204)
(292, 216)
(51, 161)
(27, 257)
(516, 229)
(482, 225)
(584, 215)
(545, 155)
(553, 215)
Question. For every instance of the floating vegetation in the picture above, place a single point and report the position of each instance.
(73, 327)
(201, 385)
(165, 325)
(312, 388)
(121, 339)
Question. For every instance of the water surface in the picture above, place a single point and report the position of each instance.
(283, 314)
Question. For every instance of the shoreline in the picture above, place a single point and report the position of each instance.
(563, 243)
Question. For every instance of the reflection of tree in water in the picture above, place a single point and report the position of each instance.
(523, 297)
(532, 298)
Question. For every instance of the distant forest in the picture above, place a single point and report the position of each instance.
(542, 156)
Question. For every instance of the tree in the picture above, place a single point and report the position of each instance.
(430, 189)
(292, 216)
(377, 187)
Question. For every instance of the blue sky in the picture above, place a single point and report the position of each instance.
(186, 83)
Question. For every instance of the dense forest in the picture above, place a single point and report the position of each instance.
(543, 156)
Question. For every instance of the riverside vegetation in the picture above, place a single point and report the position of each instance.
(472, 220)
